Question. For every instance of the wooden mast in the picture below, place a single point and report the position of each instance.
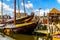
(14, 11)
(24, 8)
(19, 15)
(2, 11)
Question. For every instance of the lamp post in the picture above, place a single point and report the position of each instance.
(40, 15)
(44, 18)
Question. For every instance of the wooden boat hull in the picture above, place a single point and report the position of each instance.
(28, 29)
(21, 20)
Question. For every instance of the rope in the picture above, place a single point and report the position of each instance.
(38, 25)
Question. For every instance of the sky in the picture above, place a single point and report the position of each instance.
(45, 5)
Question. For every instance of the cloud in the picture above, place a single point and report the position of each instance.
(41, 12)
(58, 1)
(28, 1)
(7, 9)
(28, 5)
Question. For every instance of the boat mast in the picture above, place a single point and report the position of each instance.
(24, 8)
(14, 11)
(19, 15)
(2, 11)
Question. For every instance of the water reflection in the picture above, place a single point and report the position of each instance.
(21, 37)
(5, 38)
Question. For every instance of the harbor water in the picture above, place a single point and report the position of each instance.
(20, 37)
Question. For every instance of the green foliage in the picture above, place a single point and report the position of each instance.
(43, 27)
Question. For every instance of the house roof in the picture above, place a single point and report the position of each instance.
(54, 11)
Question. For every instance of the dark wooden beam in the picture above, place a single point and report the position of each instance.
(14, 11)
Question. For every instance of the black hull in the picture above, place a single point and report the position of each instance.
(24, 29)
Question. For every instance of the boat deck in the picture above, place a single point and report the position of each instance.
(24, 24)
